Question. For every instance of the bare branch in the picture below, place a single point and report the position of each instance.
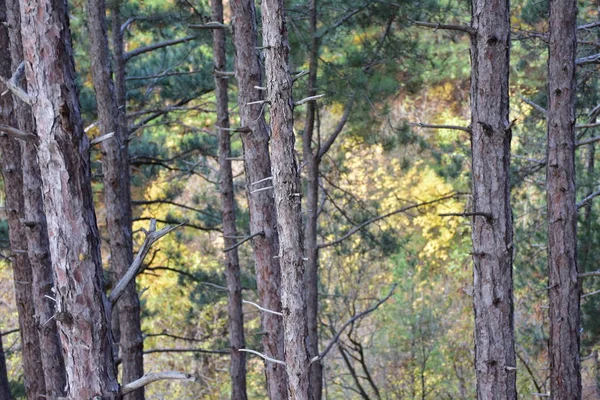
(153, 377)
(437, 26)
(263, 356)
(162, 75)
(307, 99)
(209, 25)
(434, 126)
(589, 274)
(261, 189)
(593, 59)
(590, 294)
(224, 73)
(9, 332)
(13, 84)
(262, 308)
(535, 106)
(378, 218)
(189, 275)
(102, 138)
(18, 134)
(181, 350)
(349, 322)
(262, 180)
(587, 199)
(468, 214)
(152, 236)
(172, 203)
(338, 129)
(589, 26)
(179, 223)
(238, 244)
(141, 50)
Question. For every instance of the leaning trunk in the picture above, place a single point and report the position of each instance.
(117, 197)
(288, 198)
(492, 220)
(63, 153)
(257, 163)
(563, 281)
(237, 369)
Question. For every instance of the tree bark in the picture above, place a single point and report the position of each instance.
(117, 196)
(12, 172)
(63, 151)
(237, 367)
(563, 282)
(288, 198)
(257, 164)
(4, 384)
(37, 231)
(492, 237)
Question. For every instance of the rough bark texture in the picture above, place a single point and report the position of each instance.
(565, 375)
(237, 368)
(117, 197)
(4, 385)
(312, 160)
(63, 152)
(493, 233)
(257, 163)
(286, 182)
(23, 277)
(37, 231)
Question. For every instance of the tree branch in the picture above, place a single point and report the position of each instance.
(437, 26)
(172, 203)
(189, 275)
(153, 377)
(179, 223)
(587, 199)
(238, 244)
(263, 356)
(18, 134)
(434, 126)
(209, 25)
(9, 332)
(589, 274)
(262, 308)
(13, 84)
(350, 321)
(338, 129)
(152, 236)
(181, 350)
(141, 50)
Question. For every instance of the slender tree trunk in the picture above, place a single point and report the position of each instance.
(565, 374)
(37, 231)
(312, 161)
(23, 277)
(4, 384)
(492, 230)
(237, 367)
(257, 163)
(288, 198)
(63, 152)
(117, 196)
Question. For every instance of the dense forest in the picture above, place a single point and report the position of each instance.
(314, 199)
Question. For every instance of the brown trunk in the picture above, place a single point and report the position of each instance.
(492, 229)
(237, 367)
(117, 197)
(63, 153)
(565, 375)
(4, 385)
(23, 277)
(37, 231)
(286, 182)
(312, 161)
(257, 163)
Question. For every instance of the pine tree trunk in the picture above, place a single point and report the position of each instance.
(563, 281)
(37, 231)
(117, 196)
(237, 367)
(288, 198)
(23, 277)
(492, 234)
(4, 384)
(82, 307)
(257, 163)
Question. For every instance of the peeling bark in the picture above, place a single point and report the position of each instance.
(288, 198)
(492, 237)
(563, 281)
(257, 164)
(63, 152)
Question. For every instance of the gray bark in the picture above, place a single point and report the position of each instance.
(563, 282)
(117, 197)
(286, 182)
(63, 152)
(492, 237)
(237, 368)
(37, 231)
(257, 164)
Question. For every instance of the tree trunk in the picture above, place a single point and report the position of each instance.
(117, 197)
(4, 384)
(565, 375)
(23, 277)
(237, 367)
(492, 230)
(286, 182)
(312, 161)
(63, 153)
(37, 231)
(257, 163)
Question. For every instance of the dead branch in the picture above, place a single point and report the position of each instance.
(153, 377)
(436, 26)
(434, 126)
(589, 274)
(238, 244)
(182, 350)
(18, 134)
(307, 99)
(262, 308)
(468, 214)
(141, 50)
(209, 25)
(13, 84)
(587, 199)
(152, 236)
(338, 129)
(590, 294)
(102, 138)
(9, 332)
(263, 356)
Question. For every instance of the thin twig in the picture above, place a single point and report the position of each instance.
(434, 126)
(209, 25)
(448, 27)
(261, 189)
(268, 178)
(307, 99)
(153, 377)
(262, 308)
(590, 294)
(141, 50)
(350, 321)
(18, 134)
(263, 356)
(238, 244)
(9, 332)
(468, 214)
